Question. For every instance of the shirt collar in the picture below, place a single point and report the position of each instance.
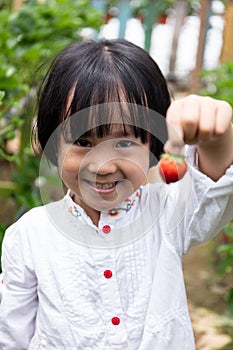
(123, 209)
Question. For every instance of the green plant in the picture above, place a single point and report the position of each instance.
(2, 231)
(225, 251)
(218, 83)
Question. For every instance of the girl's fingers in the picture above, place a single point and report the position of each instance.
(175, 141)
(190, 115)
(194, 120)
(223, 118)
(207, 120)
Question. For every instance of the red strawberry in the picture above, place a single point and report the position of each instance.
(172, 168)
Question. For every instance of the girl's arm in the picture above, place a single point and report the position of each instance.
(19, 298)
(205, 122)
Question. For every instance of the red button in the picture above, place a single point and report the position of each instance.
(106, 229)
(116, 321)
(107, 273)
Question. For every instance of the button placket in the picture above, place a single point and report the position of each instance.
(112, 298)
(111, 290)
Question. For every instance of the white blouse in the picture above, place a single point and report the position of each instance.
(71, 285)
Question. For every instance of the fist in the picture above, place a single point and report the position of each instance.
(196, 120)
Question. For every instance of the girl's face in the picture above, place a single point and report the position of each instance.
(103, 172)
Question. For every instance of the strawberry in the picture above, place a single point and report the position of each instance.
(172, 168)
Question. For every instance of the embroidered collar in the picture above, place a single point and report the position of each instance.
(125, 206)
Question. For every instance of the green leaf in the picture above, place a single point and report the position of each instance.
(230, 302)
(225, 265)
(225, 248)
(2, 94)
(10, 135)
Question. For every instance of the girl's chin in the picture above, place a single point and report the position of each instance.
(101, 203)
(104, 199)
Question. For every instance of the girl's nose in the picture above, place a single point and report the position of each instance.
(102, 167)
(102, 159)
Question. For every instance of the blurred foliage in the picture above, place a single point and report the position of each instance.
(29, 37)
(2, 230)
(225, 251)
(218, 83)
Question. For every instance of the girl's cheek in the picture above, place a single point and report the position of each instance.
(142, 159)
(68, 165)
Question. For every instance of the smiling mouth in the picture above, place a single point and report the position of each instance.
(103, 188)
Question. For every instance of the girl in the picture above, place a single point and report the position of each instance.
(101, 268)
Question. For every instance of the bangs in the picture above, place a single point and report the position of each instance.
(109, 119)
(106, 93)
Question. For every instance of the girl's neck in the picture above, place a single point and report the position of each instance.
(93, 214)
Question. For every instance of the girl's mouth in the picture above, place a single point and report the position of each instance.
(107, 187)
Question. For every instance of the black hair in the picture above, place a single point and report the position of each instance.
(90, 73)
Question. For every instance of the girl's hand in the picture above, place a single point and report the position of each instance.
(205, 122)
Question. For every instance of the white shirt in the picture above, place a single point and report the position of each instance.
(70, 285)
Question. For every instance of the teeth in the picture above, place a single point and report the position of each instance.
(103, 186)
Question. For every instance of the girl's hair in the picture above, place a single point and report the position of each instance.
(91, 73)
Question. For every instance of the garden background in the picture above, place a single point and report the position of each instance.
(31, 32)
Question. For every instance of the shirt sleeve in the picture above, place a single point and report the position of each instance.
(19, 298)
(198, 207)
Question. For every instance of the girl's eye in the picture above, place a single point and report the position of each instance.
(82, 143)
(125, 143)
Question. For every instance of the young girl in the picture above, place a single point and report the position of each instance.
(101, 268)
